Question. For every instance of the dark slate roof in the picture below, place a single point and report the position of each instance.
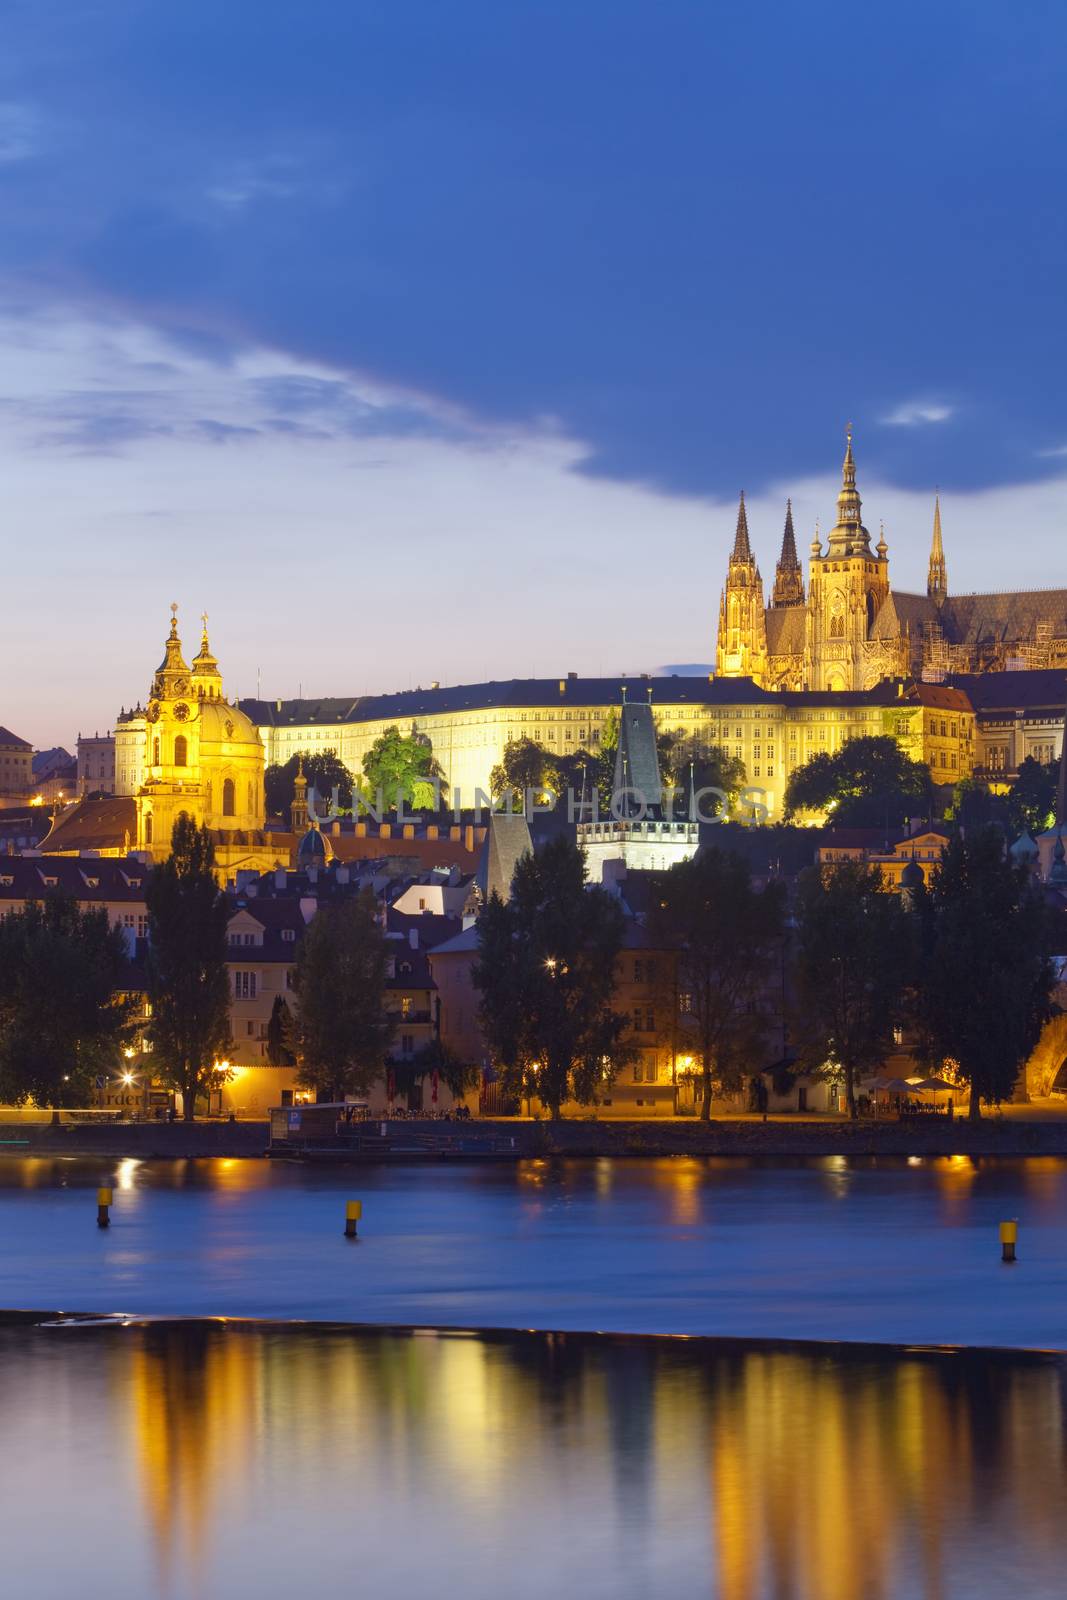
(102, 824)
(56, 762)
(431, 928)
(902, 612)
(511, 692)
(1043, 689)
(636, 759)
(87, 878)
(785, 630)
(506, 842)
(12, 740)
(974, 619)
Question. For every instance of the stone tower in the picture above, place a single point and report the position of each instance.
(846, 588)
(788, 574)
(937, 576)
(741, 651)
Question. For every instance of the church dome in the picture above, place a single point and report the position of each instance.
(913, 876)
(314, 849)
(1024, 849)
(225, 724)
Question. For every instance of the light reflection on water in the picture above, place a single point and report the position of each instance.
(188, 1461)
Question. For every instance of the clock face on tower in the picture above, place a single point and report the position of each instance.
(153, 712)
(181, 711)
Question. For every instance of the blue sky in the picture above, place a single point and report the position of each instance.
(358, 301)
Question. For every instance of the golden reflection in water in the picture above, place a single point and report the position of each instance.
(826, 1476)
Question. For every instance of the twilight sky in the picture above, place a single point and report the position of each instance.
(419, 340)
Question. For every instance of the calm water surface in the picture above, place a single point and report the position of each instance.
(191, 1462)
(831, 1249)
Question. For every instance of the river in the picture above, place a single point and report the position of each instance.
(831, 1249)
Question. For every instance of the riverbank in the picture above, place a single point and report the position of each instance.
(1015, 1134)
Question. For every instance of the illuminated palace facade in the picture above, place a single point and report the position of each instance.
(851, 630)
(770, 732)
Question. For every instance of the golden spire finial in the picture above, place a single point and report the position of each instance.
(174, 619)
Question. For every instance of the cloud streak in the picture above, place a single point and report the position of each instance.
(917, 413)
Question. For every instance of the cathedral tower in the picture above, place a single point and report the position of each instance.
(937, 577)
(788, 574)
(845, 593)
(741, 651)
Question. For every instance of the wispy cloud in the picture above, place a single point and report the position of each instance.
(916, 413)
(19, 132)
(1056, 452)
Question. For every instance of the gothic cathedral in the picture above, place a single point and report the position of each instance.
(852, 630)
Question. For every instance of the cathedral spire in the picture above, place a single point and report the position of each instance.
(742, 548)
(937, 577)
(849, 536)
(788, 576)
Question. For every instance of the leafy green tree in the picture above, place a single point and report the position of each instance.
(457, 1076)
(869, 782)
(342, 1029)
(695, 765)
(546, 976)
(1031, 801)
(188, 980)
(726, 934)
(524, 765)
(973, 805)
(401, 769)
(986, 976)
(61, 1017)
(280, 1052)
(854, 960)
(324, 771)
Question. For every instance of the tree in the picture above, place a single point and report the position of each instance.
(61, 1018)
(342, 1029)
(401, 769)
(324, 771)
(1031, 800)
(188, 980)
(280, 1051)
(524, 765)
(869, 782)
(986, 976)
(725, 933)
(546, 976)
(457, 1076)
(694, 765)
(853, 963)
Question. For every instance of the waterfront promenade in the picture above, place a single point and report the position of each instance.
(1039, 1128)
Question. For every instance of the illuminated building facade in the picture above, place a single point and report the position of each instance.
(771, 732)
(188, 751)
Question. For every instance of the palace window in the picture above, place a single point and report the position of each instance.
(181, 751)
(229, 801)
(155, 751)
(244, 985)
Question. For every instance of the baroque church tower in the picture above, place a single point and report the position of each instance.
(847, 587)
(202, 756)
(741, 650)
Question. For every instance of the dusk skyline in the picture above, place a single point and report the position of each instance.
(438, 345)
